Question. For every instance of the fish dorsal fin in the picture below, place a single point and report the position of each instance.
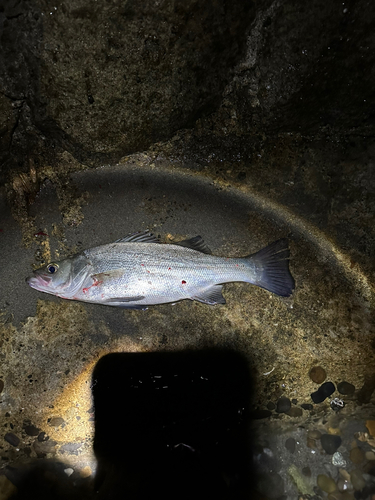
(196, 243)
(141, 237)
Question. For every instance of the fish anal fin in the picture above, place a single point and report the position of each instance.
(196, 243)
(211, 295)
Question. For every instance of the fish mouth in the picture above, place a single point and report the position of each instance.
(38, 282)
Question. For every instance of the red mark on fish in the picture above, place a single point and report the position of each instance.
(96, 283)
(40, 233)
(183, 282)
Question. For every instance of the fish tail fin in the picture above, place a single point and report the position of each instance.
(272, 268)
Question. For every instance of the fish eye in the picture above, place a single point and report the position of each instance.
(52, 268)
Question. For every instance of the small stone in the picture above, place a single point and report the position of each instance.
(31, 430)
(12, 439)
(7, 488)
(344, 474)
(356, 455)
(311, 443)
(294, 412)
(294, 401)
(314, 434)
(330, 443)
(270, 485)
(290, 445)
(324, 391)
(344, 485)
(337, 404)
(317, 374)
(345, 388)
(258, 414)
(1, 385)
(85, 472)
(370, 424)
(326, 483)
(271, 406)
(306, 471)
(69, 471)
(336, 495)
(70, 448)
(307, 406)
(357, 480)
(283, 405)
(338, 460)
(56, 422)
(365, 392)
(42, 448)
(347, 496)
(43, 437)
(370, 455)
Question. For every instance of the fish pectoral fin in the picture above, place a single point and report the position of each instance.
(211, 295)
(124, 300)
(141, 237)
(196, 243)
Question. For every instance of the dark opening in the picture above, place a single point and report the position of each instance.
(172, 423)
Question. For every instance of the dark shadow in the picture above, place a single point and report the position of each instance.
(172, 424)
(169, 424)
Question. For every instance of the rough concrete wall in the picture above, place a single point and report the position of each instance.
(101, 80)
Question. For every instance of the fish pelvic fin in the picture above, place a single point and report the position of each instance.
(272, 268)
(211, 295)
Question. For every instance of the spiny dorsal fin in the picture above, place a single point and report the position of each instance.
(141, 237)
(196, 243)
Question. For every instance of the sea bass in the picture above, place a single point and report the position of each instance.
(138, 271)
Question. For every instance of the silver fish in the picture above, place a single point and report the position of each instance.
(136, 272)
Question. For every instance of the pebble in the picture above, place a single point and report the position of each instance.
(357, 480)
(42, 448)
(69, 471)
(338, 460)
(1, 385)
(307, 406)
(336, 495)
(365, 392)
(56, 421)
(31, 430)
(347, 496)
(295, 412)
(326, 483)
(258, 414)
(337, 404)
(306, 471)
(290, 445)
(330, 443)
(344, 485)
(370, 424)
(12, 439)
(356, 455)
(270, 485)
(7, 488)
(43, 437)
(323, 392)
(318, 374)
(314, 434)
(86, 471)
(370, 455)
(283, 405)
(345, 388)
(271, 406)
